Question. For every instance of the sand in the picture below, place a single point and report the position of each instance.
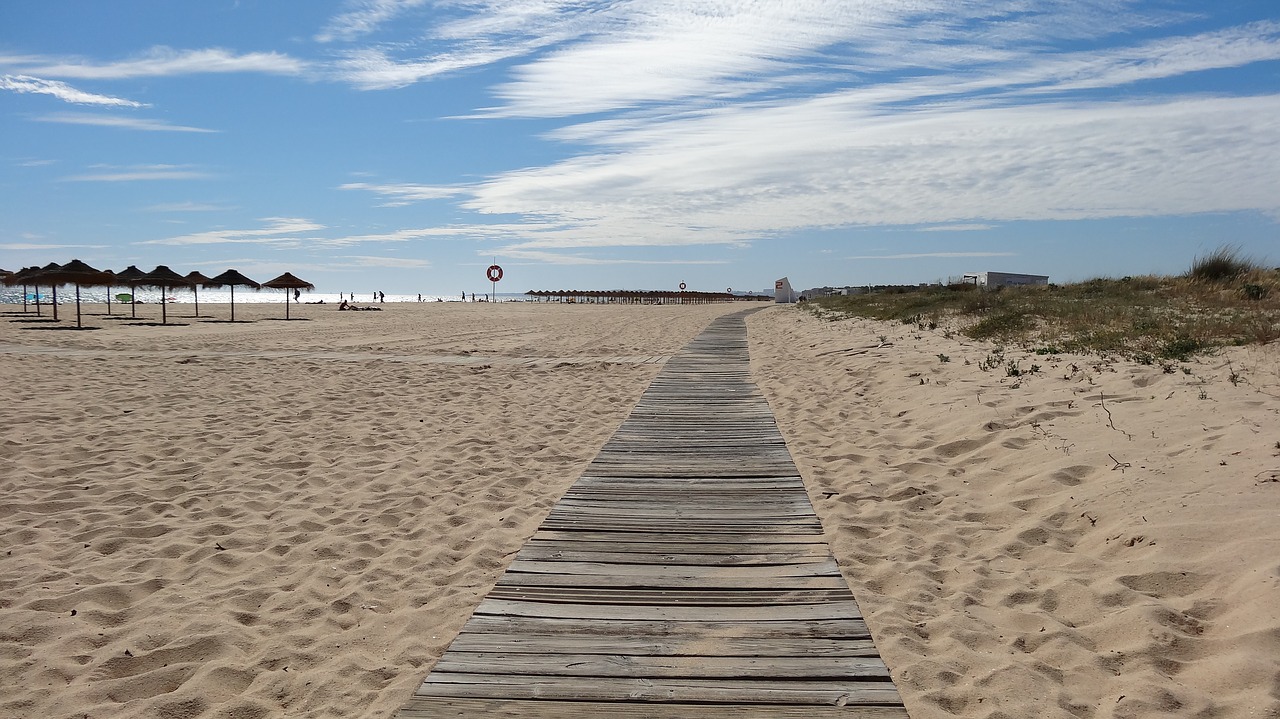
(276, 519)
(1095, 539)
(195, 526)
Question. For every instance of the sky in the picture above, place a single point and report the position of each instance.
(406, 145)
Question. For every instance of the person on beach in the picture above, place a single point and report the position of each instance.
(297, 295)
(382, 296)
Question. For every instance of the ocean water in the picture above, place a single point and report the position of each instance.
(67, 295)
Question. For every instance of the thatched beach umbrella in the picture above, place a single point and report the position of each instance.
(75, 273)
(196, 279)
(288, 282)
(44, 273)
(110, 282)
(130, 276)
(231, 278)
(24, 277)
(164, 278)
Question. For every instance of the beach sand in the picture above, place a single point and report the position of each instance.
(293, 519)
(1098, 538)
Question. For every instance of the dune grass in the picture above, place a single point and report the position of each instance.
(1224, 299)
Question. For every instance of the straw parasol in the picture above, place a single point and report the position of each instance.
(231, 278)
(164, 278)
(130, 276)
(24, 277)
(75, 273)
(288, 282)
(110, 282)
(196, 279)
(47, 271)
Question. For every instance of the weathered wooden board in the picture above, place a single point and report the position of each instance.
(449, 708)
(683, 575)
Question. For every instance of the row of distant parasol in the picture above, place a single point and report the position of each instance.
(80, 274)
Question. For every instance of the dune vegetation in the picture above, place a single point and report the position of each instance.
(1223, 299)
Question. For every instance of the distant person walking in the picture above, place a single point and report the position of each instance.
(382, 296)
(297, 295)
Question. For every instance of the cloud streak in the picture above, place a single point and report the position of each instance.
(288, 231)
(25, 84)
(142, 173)
(928, 255)
(122, 123)
(404, 194)
(161, 62)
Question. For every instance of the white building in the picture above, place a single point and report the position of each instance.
(1005, 279)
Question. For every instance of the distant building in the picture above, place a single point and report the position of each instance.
(1005, 279)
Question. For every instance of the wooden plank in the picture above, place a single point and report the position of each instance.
(662, 667)
(825, 568)
(758, 629)
(451, 708)
(657, 582)
(544, 643)
(590, 536)
(801, 555)
(743, 690)
(563, 610)
(705, 597)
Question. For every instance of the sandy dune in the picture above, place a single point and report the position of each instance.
(1094, 539)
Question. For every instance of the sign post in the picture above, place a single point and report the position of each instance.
(494, 273)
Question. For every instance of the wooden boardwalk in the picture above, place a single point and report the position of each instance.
(683, 575)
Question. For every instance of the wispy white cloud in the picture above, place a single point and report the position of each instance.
(61, 90)
(123, 123)
(927, 255)
(558, 258)
(22, 246)
(755, 171)
(726, 123)
(393, 262)
(363, 17)
(142, 172)
(160, 62)
(404, 194)
(290, 231)
(187, 207)
(972, 227)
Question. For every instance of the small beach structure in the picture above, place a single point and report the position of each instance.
(232, 279)
(1005, 279)
(782, 292)
(165, 279)
(288, 282)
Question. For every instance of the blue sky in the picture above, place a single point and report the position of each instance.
(402, 145)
